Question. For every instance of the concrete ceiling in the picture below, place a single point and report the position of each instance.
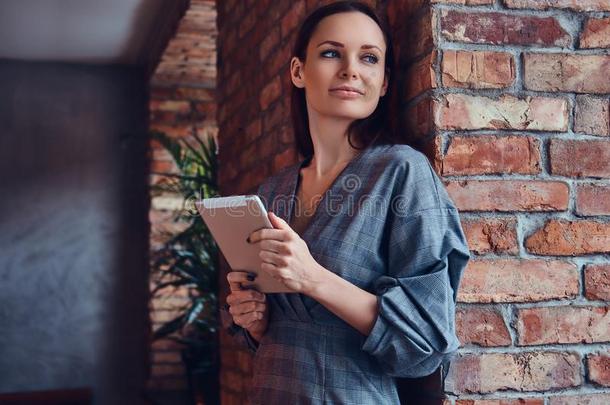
(81, 31)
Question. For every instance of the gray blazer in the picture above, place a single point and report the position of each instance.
(387, 225)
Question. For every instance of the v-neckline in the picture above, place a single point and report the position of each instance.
(296, 180)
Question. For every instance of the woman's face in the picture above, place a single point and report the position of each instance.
(346, 49)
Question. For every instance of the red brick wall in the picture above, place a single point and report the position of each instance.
(520, 111)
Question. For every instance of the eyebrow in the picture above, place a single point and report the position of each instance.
(340, 45)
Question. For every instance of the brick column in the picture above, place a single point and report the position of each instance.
(182, 103)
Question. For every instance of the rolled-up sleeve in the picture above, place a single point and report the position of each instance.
(427, 254)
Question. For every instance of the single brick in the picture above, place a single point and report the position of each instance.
(270, 42)
(272, 117)
(170, 105)
(566, 72)
(578, 5)
(162, 316)
(292, 18)
(170, 302)
(193, 93)
(518, 280)
(492, 154)
(284, 159)
(253, 131)
(503, 401)
(500, 28)
(159, 370)
(181, 130)
(592, 115)
(465, 2)
(599, 368)
(509, 195)
(246, 24)
(490, 235)
(581, 399)
(270, 93)
(597, 282)
(566, 324)
(165, 344)
(593, 199)
(526, 371)
(278, 59)
(481, 326)
(570, 238)
(580, 158)
(596, 33)
(462, 112)
(166, 357)
(286, 136)
(205, 110)
(233, 83)
(477, 69)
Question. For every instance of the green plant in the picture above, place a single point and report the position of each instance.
(188, 259)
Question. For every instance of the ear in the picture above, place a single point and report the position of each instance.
(384, 86)
(296, 72)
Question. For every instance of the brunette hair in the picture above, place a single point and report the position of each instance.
(374, 128)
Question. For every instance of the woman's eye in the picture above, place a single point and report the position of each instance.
(329, 52)
(372, 58)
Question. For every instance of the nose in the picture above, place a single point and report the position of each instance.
(349, 69)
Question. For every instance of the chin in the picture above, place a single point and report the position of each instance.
(351, 112)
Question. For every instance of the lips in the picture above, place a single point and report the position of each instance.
(347, 88)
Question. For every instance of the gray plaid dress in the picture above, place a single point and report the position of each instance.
(387, 225)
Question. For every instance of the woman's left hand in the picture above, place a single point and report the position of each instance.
(286, 256)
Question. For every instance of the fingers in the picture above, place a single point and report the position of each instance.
(236, 278)
(247, 307)
(272, 245)
(268, 233)
(247, 320)
(272, 258)
(241, 296)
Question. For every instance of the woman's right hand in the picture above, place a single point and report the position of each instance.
(248, 307)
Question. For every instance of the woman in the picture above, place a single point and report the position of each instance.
(365, 234)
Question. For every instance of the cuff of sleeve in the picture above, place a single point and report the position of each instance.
(379, 329)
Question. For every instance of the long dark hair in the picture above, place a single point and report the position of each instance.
(375, 127)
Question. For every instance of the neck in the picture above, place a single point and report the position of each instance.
(332, 150)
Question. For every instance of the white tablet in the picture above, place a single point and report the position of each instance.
(231, 220)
